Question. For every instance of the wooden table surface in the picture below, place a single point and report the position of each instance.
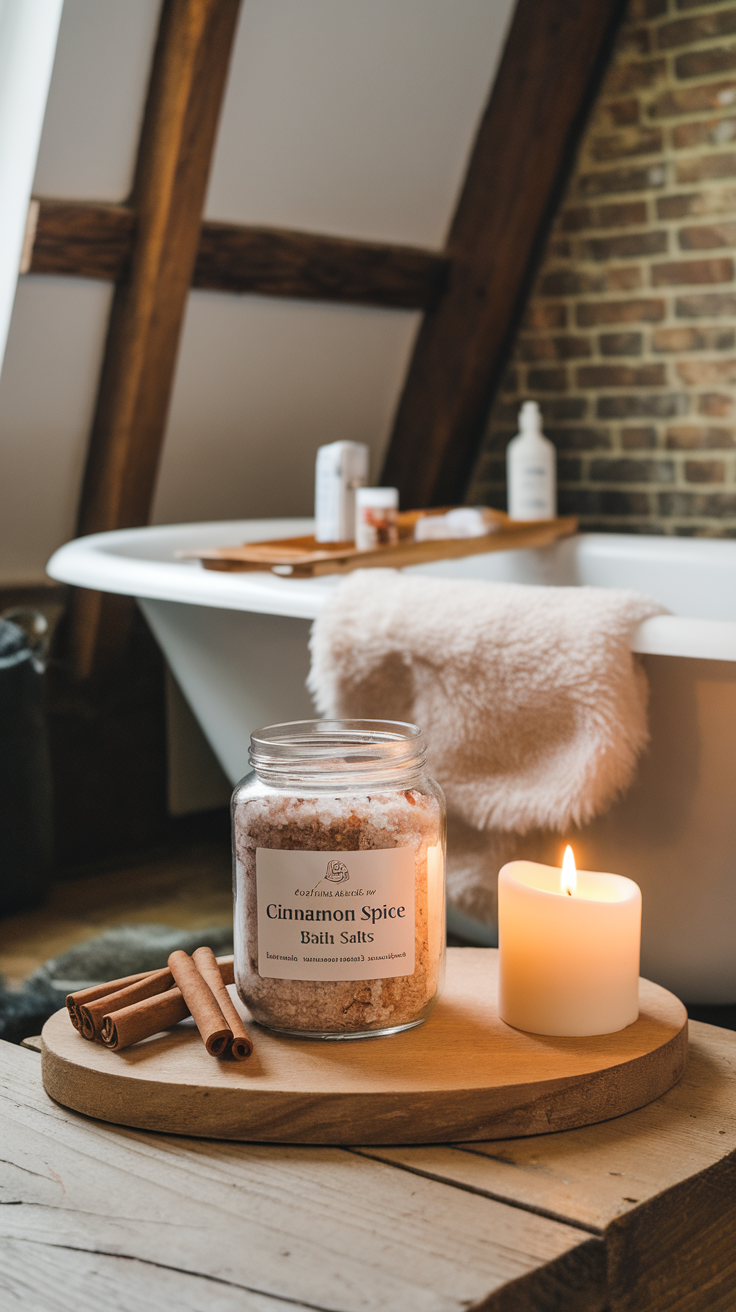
(637, 1213)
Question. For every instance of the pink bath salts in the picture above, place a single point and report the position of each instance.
(349, 823)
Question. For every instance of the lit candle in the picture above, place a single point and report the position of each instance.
(569, 949)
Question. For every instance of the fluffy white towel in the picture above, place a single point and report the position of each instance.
(533, 705)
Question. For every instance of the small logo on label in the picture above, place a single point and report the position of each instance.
(337, 872)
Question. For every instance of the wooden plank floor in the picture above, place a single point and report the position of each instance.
(188, 887)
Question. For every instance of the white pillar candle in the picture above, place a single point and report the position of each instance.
(568, 957)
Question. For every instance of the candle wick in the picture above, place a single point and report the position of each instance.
(569, 892)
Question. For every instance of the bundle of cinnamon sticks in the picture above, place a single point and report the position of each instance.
(124, 1011)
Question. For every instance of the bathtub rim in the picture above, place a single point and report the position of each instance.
(113, 562)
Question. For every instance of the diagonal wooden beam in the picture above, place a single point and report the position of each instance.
(93, 240)
(552, 61)
(187, 83)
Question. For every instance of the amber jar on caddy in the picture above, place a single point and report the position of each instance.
(339, 879)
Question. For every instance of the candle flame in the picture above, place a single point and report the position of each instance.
(569, 874)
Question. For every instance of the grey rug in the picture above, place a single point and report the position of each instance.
(125, 950)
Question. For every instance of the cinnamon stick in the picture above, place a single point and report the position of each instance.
(92, 1014)
(206, 963)
(198, 995)
(226, 967)
(75, 1001)
(122, 1014)
(142, 1019)
(83, 996)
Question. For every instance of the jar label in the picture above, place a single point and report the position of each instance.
(335, 915)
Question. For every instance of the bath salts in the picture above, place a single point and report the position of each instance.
(339, 901)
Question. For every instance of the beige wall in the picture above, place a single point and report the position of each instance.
(341, 116)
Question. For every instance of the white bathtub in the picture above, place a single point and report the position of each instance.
(237, 644)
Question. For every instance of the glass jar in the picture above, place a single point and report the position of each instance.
(339, 879)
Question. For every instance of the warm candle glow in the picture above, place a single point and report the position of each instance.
(569, 875)
(568, 949)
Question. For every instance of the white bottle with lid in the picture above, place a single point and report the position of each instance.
(342, 467)
(531, 469)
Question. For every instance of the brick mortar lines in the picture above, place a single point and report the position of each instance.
(675, 477)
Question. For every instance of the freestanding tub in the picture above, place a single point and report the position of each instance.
(237, 646)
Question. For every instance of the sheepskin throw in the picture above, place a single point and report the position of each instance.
(533, 705)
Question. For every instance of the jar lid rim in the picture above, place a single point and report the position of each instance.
(349, 741)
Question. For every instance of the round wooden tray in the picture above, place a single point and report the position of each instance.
(463, 1075)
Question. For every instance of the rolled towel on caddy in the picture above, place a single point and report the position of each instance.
(533, 704)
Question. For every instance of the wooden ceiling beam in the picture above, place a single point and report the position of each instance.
(82, 239)
(156, 248)
(278, 262)
(552, 61)
(94, 240)
(186, 88)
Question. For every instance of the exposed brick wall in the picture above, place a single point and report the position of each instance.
(629, 336)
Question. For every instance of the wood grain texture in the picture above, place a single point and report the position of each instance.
(185, 94)
(89, 240)
(682, 1252)
(630, 1214)
(574, 1282)
(521, 153)
(308, 558)
(305, 265)
(597, 1174)
(83, 239)
(40, 1277)
(319, 1226)
(659, 1185)
(464, 1074)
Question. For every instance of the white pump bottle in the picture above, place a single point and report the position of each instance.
(531, 471)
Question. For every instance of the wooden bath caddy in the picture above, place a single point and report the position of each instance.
(463, 1075)
(305, 557)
